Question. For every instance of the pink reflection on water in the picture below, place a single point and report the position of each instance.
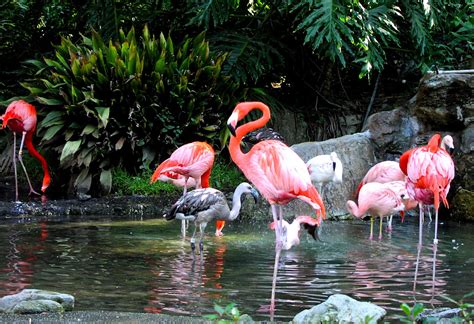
(187, 277)
(20, 260)
(388, 280)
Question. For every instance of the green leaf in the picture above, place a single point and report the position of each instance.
(49, 102)
(51, 132)
(88, 129)
(406, 309)
(103, 114)
(83, 181)
(219, 309)
(417, 309)
(69, 149)
(106, 180)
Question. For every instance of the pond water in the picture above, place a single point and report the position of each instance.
(145, 266)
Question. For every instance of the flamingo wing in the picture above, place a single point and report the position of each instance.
(280, 174)
(196, 201)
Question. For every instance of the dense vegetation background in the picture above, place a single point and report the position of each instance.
(120, 84)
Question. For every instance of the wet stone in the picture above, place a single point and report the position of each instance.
(30, 301)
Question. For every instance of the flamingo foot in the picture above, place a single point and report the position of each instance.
(33, 192)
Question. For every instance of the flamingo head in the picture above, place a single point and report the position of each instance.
(240, 111)
(448, 144)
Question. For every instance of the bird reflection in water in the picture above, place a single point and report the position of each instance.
(386, 281)
(20, 259)
(176, 288)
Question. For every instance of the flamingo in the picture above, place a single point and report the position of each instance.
(291, 232)
(276, 171)
(376, 199)
(324, 169)
(429, 170)
(204, 205)
(20, 117)
(400, 189)
(190, 161)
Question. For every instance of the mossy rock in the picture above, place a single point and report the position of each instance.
(463, 205)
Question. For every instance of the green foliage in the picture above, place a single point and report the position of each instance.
(411, 312)
(225, 176)
(467, 309)
(224, 315)
(125, 184)
(127, 103)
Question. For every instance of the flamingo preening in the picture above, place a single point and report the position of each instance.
(429, 170)
(204, 205)
(377, 200)
(325, 168)
(278, 173)
(291, 232)
(190, 161)
(20, 117)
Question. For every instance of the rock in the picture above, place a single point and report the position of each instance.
(462, 206)
(37, 307)
(439, 315)
(341, 309)
(8, 304)
(446, 101)
(350, 149)
(392, 132)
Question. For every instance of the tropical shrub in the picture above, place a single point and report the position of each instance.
(127, 103)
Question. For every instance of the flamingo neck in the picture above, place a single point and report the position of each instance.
(236, 202)
(357, 211)
(31, 149)
(241, 131)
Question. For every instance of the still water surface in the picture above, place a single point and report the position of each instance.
(145, 266)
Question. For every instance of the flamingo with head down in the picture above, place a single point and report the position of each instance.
(291, 232)
(277, 172)
(429, 170)
(189, 165)
(20, 117)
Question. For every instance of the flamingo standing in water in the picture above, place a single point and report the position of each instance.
(204, 205)
(376, 199)
(291, 232)
(429, 170)
(190, 161)
(20, 117)
(383, 172)
(276, 170)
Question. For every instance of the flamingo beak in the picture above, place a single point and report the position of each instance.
(255, 194)
(450, 150)
(312, 230)
(232, 122)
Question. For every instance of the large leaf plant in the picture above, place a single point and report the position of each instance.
(126, 103)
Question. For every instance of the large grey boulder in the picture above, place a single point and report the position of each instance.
(341, 309)
(356, 153)
(30, 301)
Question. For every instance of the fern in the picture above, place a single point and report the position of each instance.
(250, 56)
(215, 12)
(325, 27)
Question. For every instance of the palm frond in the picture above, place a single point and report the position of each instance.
(212, 12)
(250, 56)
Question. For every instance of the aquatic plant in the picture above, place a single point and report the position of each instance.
(224, 315)
(411, 312)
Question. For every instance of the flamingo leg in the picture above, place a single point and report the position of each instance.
(380, 228)
(275, 213)
(389, 223)
(202, 227)
(20, 158)
(435, 249)
(193, 240)
(14, 166)
(184, 223)
(275, 273)
(371, 228)
(420, 244)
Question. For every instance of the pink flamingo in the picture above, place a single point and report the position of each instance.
(376, 199)
(276, 170)
(190, 161)
(20, 117)
(429, 170)
(291, 232)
